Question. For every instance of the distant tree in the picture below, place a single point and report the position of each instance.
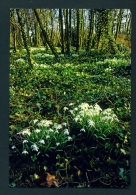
(24, 38)
(119, 19)
(78, 30)
(67, 32)
(61, 31)
(91, 28)
(45, 36)
(104, 33)
(13, 30)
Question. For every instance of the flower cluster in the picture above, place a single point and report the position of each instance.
(20, 61)
(44, 135)
(93, 118)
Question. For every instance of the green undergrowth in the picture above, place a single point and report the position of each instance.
(70, 119)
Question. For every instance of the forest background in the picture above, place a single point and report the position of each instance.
(70, 91)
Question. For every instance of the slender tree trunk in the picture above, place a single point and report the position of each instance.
(61, 31)
(119, 22)
(91, 26)
(45, 36)
(108, 31)
(69, 27)
(24, 38)
(14, 33)
(78, 31)
(67, 34)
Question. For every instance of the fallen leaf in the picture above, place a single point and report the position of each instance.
(51, 180)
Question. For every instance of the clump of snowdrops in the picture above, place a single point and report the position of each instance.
(92, 120)
(46, 135)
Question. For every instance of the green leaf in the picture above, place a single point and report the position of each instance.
(106, 145)
(79, 186)
(13, 184)
(33, 158)
(121, 170)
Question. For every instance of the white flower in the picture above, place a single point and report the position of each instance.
(91, 123)
(45, 123)
(25, 132)
(51, 130)
(65, 108)
(107, 111)
(25, 141)
(57, 143)
(47, 136)
(35, 121)
(64, 124)
(76, 109)
(24, 152)
(71, 104)
(69, 138)
(42, 141)
(56, 131)
(37, 130)
(71, 111)
(77, 118)
(34, 147)
(84, 106)
(57, 126)
(97, 108)
(66, 132)
(82, 129)
(13, 147)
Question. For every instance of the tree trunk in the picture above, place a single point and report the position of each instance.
(45, 36)
(78, 31)
(67, 34)
(91, 27)
(24, 38)
(61, 31)
(119, 19)
(14, 33)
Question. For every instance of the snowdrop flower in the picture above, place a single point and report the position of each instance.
(35, 121)
(25, 132)
(77, 118)
(82, 113)
(65, 108)
(34, 147)
(57, 143)
(64, 124)
(25, 141)
(66, 132)
(24, 152)
(69, 138)
(58, 126)
(71, 104)
(97, 108)
(47, 136)
(76, 109)
(84, 106)
(42, 141)
(37, 130)
(82, 129)
(51, 130)
(71, 111)
(90, 122)
(13, 147)
(107, 111)
(57, 132)
(45, 123)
